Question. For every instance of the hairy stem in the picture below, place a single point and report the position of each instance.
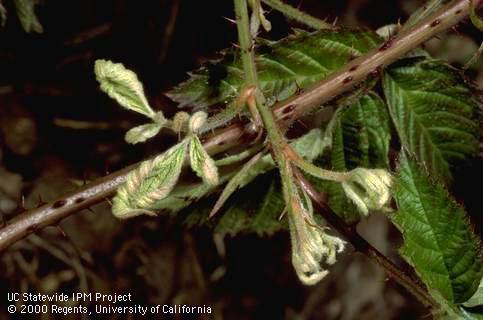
(337, 176)
(251, 76)
(297, 15)
(360, 244)
(275, 137)
(242, 133)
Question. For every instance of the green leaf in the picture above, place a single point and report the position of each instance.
(360, 138)
(123, 86)
(438, 240)
(152, 181)
(142, 133)
(284, 67)
(255, 208)
(365, 134)
(202, 163)
(26, 15)
(434, 112)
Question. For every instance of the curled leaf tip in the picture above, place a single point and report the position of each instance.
(180, 121)
(142, 133)
(122, 85)
(202, 163)
(197, 120)
(311, 246)
(369, 189)
(152, 181)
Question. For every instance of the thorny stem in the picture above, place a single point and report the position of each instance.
(275, 137)
(360, 244)
(223, 139)
(298, 15)
(374, 61)
(251, 76)
(284, 155)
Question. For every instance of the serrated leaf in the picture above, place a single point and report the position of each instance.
(438, 240)
(202, 163)
(360, 138)
(255, 208)
(365, 134)
(434, 112)
(142, 133)
(151, 182)
(26, 15)
(284, 67)
(122, 85)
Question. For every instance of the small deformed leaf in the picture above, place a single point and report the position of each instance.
(142, 133)
(359, 136)
(257, 18)
(180, 121)
(123, 86)
(197, 120)
(152, 181)
(26, 15)
(202, 163)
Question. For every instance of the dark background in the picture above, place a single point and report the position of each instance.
(58, 130)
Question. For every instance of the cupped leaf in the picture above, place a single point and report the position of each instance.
(434, 113)
(360, 138)
(26, 15)
(365, 134)
(142, 133)
(123, 86)
(283, 67)
(202, 163)
(438, 240)
(152, 181)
